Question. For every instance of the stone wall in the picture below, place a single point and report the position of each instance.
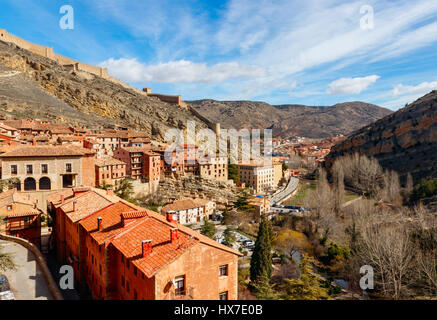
(41, 261)
(194, 187)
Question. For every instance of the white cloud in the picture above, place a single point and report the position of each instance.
(351, 85)
(421, 89)
(130, 70)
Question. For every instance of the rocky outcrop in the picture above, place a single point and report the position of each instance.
(405, 141)
(41, 88)
(195, 187)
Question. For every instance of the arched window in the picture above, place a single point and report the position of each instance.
(29, 184)
(45, 184)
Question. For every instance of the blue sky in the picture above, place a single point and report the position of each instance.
(312, 52)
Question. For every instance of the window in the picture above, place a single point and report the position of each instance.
(26, 219)
(223, 296)
(122, 259)
(122, 281)
(9, 207)
(29, 169)
(127, 287)
(135, 270)
(68, 167)
(44, 168)
(179, 286)
(14, 169)
(127, 264)
(223, 270)
(135, 295)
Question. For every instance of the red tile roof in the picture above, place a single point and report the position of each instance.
(164, 251)
(111, 221)
(46, 151)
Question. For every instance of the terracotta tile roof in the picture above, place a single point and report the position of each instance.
(141, 139)
(134, 214)
(203, 239)
(135, 149)
(164, 251)
(13, 196)
(43, 151)
(179, 205)
(59, 129)
(108, 161)
(111, 221)
(22, 214)
(86, 203)
(55, 198)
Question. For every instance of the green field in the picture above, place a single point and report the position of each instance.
(303, 192)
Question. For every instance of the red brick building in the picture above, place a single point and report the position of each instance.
(67, 208)
(127, 252)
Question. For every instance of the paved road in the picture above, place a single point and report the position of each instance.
(292, 185)
(27, 281)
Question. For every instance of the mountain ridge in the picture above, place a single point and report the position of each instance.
(289, 120)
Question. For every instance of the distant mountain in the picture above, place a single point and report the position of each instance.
(291, 120)
(405, 141)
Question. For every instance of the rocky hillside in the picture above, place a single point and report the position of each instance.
(405, 141)
(32, 86)
(291, 120)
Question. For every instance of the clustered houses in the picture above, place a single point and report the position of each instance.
(109, 171)
(121, 251)
(190, 210)
(260, 177)
(312, 154)
(20, 217)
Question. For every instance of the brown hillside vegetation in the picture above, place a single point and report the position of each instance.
(291, 120)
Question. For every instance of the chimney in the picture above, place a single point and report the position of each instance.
(62, 199)
(170, 216)
(173, 234)
(147, 247)
(34, 141)
(122, 220)
(110, 192)
(74, 206)
(99, 223)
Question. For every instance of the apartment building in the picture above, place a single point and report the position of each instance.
(44, 168)
(258, 176)
(109, 171)
(67, 209)
(126, 252)
(141, 163)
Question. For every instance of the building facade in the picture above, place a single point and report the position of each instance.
(45, 168)
(258, 176)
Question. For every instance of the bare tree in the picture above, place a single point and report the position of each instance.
(338, 177)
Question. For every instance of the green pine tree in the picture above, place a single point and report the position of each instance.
(261, 262)
(233, 172)
(208, 229)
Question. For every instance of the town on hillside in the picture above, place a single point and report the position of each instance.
(300, 165)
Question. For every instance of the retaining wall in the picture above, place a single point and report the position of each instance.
(41, 262)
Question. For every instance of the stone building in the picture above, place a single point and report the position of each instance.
(258, 176)
(141, 163)
(45, 168)
(216, 168)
